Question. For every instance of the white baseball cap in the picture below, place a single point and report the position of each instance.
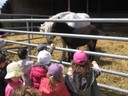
(44, 57)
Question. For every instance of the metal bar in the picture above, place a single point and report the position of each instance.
(70, 35)
(98, 20)
(115, 73)
(68, 63)
(87, 6)
(113, 88)
(27, 26)
(73, 50)
(4, 14)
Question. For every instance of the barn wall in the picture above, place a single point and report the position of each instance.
(96, 8)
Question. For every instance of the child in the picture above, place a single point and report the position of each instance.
(26, 91)
(53, 84)
(25, 65)
(13, 77)
(41, 47)
(40, 70)
(81, 77)
(2, 74)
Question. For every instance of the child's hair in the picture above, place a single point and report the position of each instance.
(22, 52)
(80, 64)
(54, 75)
(25, 91)
(41, 47)
(83, 70)
(2, 58)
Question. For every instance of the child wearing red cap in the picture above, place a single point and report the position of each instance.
(53, 84)
(81, 77)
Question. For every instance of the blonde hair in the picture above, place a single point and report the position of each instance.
(26, 91)
(53, 81)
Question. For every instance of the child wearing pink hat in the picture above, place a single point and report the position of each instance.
(53, 84)
(81, 77)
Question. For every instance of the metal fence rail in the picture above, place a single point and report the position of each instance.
(79, 36)
(99, 20)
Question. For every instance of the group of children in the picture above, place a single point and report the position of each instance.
(24, 78)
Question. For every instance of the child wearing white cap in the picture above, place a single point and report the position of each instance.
(40, 69)
(42, 47)
(13, 77)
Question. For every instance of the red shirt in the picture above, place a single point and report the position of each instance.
(59, 89)
(36, 74)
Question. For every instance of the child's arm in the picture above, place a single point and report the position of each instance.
(96, 69)
(95, 65)
(52, 47)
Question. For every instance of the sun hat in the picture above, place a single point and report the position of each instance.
(44, 57)
(41, 47)
(13, 70)
(55, 69)
(80, 57)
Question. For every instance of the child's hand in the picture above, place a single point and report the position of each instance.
(69, 71)
(52, 46)
(95, 65)
(94, 62)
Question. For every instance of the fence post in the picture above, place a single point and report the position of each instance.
(29, 49)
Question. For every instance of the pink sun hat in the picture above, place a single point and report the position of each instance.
(80, 57)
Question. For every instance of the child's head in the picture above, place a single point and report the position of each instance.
(26, 91)
(14, 72)
(80, 64)
(41, 47)
(44, 57)
(22, 53)
(2, 60)
(55, 72)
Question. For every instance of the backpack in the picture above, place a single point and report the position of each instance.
(79, 86)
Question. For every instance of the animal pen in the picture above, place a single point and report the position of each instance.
(29, 25)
